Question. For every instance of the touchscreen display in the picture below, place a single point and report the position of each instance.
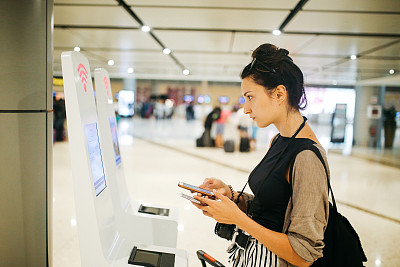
(96, 161)
(114, 135)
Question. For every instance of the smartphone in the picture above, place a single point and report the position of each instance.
(192, 199)
(193, 188)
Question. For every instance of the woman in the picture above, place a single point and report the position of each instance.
(286, 218)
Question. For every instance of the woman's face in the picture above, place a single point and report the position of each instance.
(259, 105)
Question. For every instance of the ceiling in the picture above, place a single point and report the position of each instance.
(213, 39)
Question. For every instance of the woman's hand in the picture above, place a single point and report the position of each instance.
(216, 184)
(222, 209)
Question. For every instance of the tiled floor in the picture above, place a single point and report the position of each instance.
(163, 152)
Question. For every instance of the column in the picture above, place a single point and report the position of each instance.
(26, 132)
(365, 96)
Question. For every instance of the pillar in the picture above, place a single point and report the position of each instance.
(366, 95)
(26, 132)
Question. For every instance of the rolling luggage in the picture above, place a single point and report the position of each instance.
(199, 142)
(244, 144)
(229, 146)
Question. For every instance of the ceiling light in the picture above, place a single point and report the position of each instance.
(353, 57)
(77, 48)
(391, 71)
(276, 32)
(145, 28)
(167, 51)
(130, 70)
(111, 62)
(185, 72)
(334, 82)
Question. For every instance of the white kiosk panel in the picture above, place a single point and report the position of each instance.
(159, 223)
(100, 241)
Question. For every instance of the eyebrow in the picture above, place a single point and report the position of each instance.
(247, 93)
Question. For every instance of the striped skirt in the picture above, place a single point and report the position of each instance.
(255, 255)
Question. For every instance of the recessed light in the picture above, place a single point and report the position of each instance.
(185, 72)
(353, 57)
(167, 51)
(145, 28)
(276, 32)
(334, 82)
(111, 62)
(77, 48)
(391, 71)
(130, 70)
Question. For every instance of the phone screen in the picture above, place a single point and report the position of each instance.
(196, 189)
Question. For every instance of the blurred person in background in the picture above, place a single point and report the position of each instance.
(206, 139)
(220, 123)
(59, 117)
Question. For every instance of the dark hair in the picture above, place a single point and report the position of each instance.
(272, 66)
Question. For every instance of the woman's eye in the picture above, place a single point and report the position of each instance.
(250, 97)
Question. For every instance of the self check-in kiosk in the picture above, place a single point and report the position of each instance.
(101, 242)
(159, 222)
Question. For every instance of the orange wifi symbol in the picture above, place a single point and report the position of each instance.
(83, 75)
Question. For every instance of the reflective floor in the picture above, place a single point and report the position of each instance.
(164, 152)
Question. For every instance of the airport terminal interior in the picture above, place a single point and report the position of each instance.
(166, 66)
(158, 154)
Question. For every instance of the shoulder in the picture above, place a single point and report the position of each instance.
(308, 154)
(308, 163)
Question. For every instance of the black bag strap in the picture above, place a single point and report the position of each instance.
(313, 148)
(276, 161)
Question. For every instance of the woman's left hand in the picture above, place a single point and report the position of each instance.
(222, 209)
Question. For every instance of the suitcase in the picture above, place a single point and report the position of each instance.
(244, 144)
(229, 146)
(199, 142)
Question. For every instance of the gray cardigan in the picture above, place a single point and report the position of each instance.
(307, 211)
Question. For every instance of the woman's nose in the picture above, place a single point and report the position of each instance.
(246, 108)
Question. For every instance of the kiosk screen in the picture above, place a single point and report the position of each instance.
(114, 135)
(96, 162)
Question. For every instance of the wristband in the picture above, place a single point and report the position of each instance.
(232, 192)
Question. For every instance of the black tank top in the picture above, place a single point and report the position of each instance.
(272, 195)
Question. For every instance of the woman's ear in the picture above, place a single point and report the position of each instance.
(280, 93)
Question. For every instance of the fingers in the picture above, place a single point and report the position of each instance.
(199, 206)
(207, 213)
(208, 180)
(203, 200)
(219, 195)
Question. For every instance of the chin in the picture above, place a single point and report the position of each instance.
(263, 124)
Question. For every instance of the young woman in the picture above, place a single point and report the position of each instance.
(284, 221)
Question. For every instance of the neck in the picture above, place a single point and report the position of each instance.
(289, 123)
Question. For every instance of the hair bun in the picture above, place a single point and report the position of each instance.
(265, 51)
(271, 55)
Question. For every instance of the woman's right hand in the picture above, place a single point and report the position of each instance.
(217, 184)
